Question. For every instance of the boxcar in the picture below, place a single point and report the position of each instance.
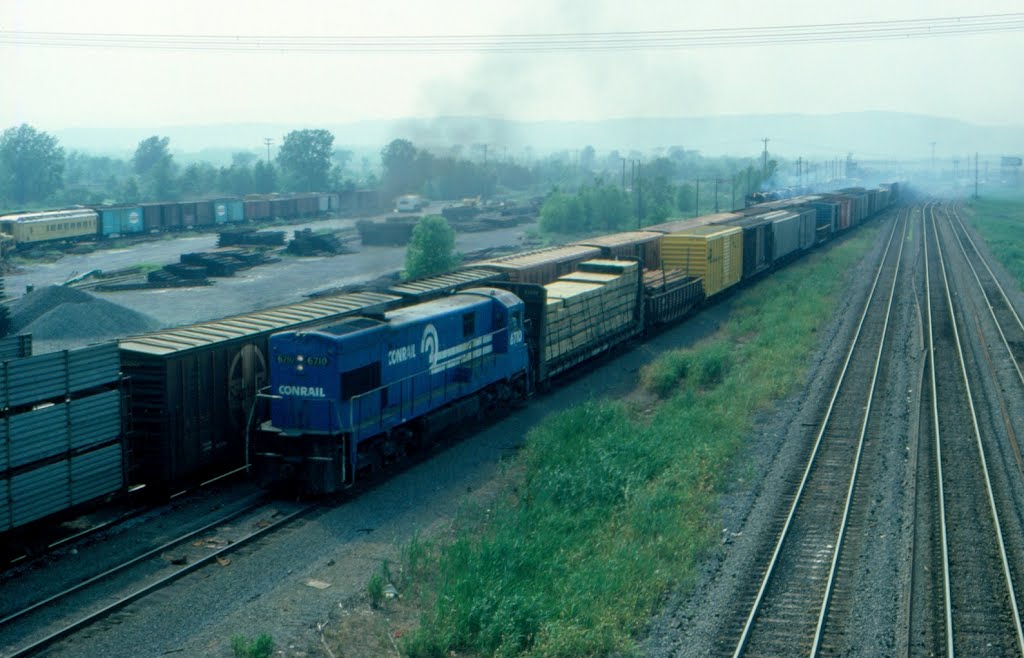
(714, 253)
(189, 213)
(257, 209)
(757, 243)
(677, 225)
(204, 213)
(644, 246)
(228, 210)
(421, 290)
(193, 387)
(540, 266)
(170, 217)
(120, 220)
(152, 217)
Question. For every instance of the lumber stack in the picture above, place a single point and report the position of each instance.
(585, 307)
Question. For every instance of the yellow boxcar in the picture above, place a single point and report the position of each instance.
(714, 253)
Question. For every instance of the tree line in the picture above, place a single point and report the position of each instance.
(586, 191)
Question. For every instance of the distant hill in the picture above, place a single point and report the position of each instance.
(868, 135)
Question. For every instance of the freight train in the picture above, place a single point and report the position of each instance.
(100, 222)
(318, 391)
(349, 394)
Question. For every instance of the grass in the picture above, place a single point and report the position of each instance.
(614, 510)
(999, 222)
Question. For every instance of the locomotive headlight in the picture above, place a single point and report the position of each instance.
(299, 367)
(299, 358)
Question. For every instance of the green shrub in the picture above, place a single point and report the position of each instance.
(261, 647)
(378, 582)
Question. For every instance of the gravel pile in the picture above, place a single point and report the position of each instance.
(59, 317)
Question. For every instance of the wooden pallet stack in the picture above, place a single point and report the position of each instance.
(587, 306)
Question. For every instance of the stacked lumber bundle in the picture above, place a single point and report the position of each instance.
(660, 280)
(587, 306)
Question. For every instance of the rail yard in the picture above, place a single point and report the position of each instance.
(887, 520)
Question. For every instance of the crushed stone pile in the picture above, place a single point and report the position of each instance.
(70, 317)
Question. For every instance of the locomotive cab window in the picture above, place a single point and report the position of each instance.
(360, 380)
(468, 324)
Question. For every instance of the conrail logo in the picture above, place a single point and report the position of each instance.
(302, 391)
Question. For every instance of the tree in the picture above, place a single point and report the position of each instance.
(264, 177)
(685, 197)
(150, 154)
(606, 207)
(154, 164)
(305, 159)
(31, 164)
(432, 248)
(199, 178)
(401, 175)
(561, 213)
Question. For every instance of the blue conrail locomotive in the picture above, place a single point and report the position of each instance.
(349, 395)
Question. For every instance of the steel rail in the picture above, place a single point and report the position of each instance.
(125, 565)
(999, 287)
(152, 587)
(983, 462)
(830, 582)
(777, 551)
(947, 597)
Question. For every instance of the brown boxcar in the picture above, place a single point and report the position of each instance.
(541, 266)
(193, 388)
(204, 213)
(256, 209)
(644, 246)
(188, 213)
(152, 217)
(170, 216)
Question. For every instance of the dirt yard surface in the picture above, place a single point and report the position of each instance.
(252, 289)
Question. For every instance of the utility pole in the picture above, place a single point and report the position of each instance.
(764, 164)
(268, 142)
(639, 196)
(800, 171)
(975, 174)
(696, 204)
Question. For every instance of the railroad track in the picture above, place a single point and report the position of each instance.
(790, 608)
(973, 591)
(49, 619)
(1006, 320)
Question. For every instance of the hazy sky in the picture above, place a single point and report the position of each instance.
(976, 78)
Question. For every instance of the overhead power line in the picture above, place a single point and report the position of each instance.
(530, 43)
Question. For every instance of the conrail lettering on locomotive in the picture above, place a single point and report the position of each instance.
(302, 391)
